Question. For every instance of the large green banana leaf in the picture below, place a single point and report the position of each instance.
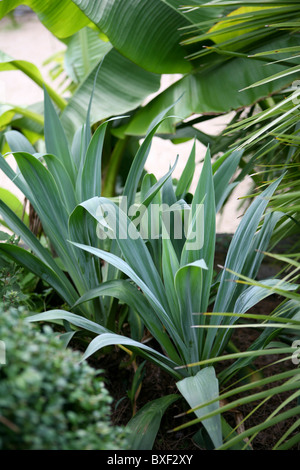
(8, 63)
(154, 45)
(84, 51)
(211, 84)
(50, 14)
(148, 36)
(120, 87)
(147, 32)
(217, 87)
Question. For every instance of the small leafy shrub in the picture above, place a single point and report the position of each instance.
(48, 400)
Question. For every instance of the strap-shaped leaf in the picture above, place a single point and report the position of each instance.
(126, 292)
(189, 288)
(289, 309)
(16, 178)
(143, 427)
(254, 294)
(91, 172)
(223, 175)
(238, 252)
(170, 266)
(151, 296)
(44, 256)
(131, 244)
(186, 177)
(63, 181)
(240, 247)
(18, 142)
(140, 158)
(199, 389)
(108, 339)
(20, 229)
(200, 243)
(40, 269)
(70, 317)
(55, 138)
(82, 228)
(47, 200)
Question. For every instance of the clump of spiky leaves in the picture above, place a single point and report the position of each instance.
(56, 183)
(165, 280)
(172, 282)
(275, 384)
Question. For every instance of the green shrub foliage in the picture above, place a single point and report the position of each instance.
(48, 399)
